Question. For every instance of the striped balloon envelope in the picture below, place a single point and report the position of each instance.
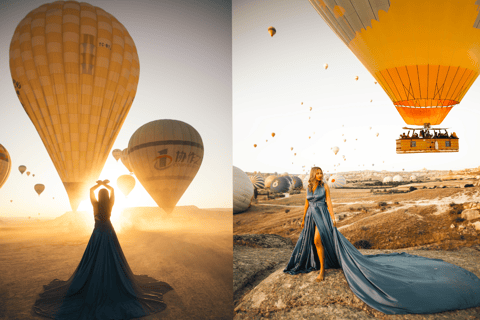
(242, 191)
(165, 156)
(257, 181)
(5, 165)
(336, 181)
(75, 70)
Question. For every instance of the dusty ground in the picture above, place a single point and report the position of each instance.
(387, 221)
(194, 258)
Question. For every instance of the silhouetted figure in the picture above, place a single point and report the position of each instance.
(103, 286)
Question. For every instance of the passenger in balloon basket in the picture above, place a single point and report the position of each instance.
(393, 283)
(103, 286)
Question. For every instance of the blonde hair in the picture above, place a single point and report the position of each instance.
(312, 180)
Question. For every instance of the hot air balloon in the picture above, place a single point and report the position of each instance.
(11, 200)
(75, 70)
(280, 185)
(254, 145)
(126, 183)
(371, 100)
(39, 188)
(356, 78)
(257, 181)
(165, 155)
(375, 82)
(117, 153)
(397, 178)
(266, 140)
(309, 137)
(269, 180)
(33, 175)
(291, 148)
(294, 154)
(28, 173)
(310, 108)
(125, 160)
(5, 165)
(436, 67)
(242, 191)
(377, 134)
(272, 31)
(22, 169)
(335, 150)
(273, 134)
(336, 181)
(344, 140)
(325, 66)
(370, 128)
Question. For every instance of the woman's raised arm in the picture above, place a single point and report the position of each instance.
(92, 193)
(112, 194)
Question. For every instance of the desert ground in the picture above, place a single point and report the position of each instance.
(427, 217)
(190, 249)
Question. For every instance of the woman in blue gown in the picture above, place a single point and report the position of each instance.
(103, 285)
(395, 283)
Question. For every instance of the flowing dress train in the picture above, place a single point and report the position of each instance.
(103, 286)
(394, 283)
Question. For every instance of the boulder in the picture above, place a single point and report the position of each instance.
(476, 225)
(470, 214)
(283, 296)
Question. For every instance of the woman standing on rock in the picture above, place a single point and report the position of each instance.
(394, 283)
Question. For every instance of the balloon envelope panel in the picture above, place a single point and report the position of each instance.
(269, 180)
(280, 185)
(125, 160)
(75, 70)
(166, 155)
(257, 181)
(336, 181)
(297, 182)
(398, 178)
(5, 165)
(424, 54)
(242, 190)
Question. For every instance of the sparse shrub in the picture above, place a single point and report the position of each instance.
(462, 237)
(364, 228)
(456, 208)
(382, 204)
(396, 202)
(458, 219)
(362, 244)
(468, 185)
(453, 204)
(446, 186)
(412, 188)
(287, 210)
(424, 187)
(421, 232)
(351, 208)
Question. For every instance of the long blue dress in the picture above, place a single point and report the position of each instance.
(103, 286)
(394, 283)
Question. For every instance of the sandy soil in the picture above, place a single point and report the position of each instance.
(387, 221)
(193, 254)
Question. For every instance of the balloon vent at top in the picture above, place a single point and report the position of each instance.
(424, 54)
(75, 70)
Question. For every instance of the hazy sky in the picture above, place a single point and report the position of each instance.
(185, 53)
(272, 76)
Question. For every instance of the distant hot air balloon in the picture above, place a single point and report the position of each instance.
(336, 181)
(39, 188)
(5, 165)
(375, 82)
(310, 108)
(436, 57)
(125, 160)
(280, 184)
(33, 175)
(335, 150)
(11, 200)
(294, 154)
(344, 140)
(273, 134)
(371, 100)
(325, 66)
(291, 148)
(165, 155)
(254, 145)
(126, 183)
(242, 191)
(117, 153)
(28, 173)
(370, 128)
(356, 78)
(22, 169)
(302, 103)
(75, 70)
(266, 140)
(272, 31)
(269, 180)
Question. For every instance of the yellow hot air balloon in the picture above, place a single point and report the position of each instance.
(310, 108)
(325, 66)
(335, 150)
(291, 148)
(33, 175)
(126, 183)
(272, 31)
(356, 78)
(302, 103)
(377, 134)
(425, 68)
(273, 134)
(22, 169)
(254, 145)
(125, 160)
(5, 165)
(375, 82)
(39, 188)
(75, 70)
(117, 153)
(165, 156)
(28, 173)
